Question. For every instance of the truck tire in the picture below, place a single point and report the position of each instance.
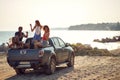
(19, 71)
(50, 69)
(71, 61)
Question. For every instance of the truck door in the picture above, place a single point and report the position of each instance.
(57, 49)
(60, 50)
(65, 52)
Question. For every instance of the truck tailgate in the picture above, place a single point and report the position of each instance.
(23, 54)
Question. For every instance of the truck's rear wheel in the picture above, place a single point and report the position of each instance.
(19, 71)
(50, 69)
(71, 61)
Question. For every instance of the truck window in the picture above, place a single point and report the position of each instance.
(62, 44)
(56, 43)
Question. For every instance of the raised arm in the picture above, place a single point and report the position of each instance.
(26, 36)
(32, 29)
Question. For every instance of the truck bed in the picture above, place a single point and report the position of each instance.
(23, 54)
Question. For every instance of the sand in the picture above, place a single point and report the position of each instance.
(86, 68)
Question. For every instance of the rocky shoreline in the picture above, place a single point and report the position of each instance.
(106, 40)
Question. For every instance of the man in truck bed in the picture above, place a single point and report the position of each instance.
(17, 40)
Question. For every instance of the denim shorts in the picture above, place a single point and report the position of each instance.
(37, 37)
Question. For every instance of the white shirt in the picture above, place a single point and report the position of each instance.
(38, 30)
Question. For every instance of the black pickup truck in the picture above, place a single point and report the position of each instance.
(46, 58)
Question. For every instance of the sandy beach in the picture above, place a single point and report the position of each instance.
(86, 68)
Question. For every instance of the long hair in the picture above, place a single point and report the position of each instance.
(37, 22)
(46, 26)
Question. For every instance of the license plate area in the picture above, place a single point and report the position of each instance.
(24, 63)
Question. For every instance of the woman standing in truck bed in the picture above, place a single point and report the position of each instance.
(44, 41)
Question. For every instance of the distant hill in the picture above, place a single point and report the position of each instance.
(98, 26)
(59, 28)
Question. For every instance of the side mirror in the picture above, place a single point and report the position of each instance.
(67, 44)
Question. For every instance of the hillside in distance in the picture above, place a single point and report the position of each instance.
(98, 26)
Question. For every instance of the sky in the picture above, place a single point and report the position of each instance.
(56, 13)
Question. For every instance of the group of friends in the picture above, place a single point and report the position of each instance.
(37, 41)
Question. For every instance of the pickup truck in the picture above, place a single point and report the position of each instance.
(46, 58)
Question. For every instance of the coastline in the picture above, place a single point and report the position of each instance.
(87, 38)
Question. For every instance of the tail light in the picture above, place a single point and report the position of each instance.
(41, 53)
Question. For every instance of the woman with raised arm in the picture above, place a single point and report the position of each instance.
(37, 28)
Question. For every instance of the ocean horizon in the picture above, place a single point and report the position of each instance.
(73, 36)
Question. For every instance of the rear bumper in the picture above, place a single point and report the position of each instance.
(23, 66)
(33, 63)
(26, 64)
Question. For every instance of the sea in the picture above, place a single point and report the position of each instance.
(73, 36)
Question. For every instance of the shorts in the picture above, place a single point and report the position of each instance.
(37, 37)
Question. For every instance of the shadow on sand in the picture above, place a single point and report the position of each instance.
(39, 75)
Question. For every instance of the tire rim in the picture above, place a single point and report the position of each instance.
(53, 66)
(72, 60)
